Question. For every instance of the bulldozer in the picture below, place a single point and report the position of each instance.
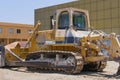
(71, 45)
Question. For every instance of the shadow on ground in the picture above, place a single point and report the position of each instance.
(83, 73)
(100, 74)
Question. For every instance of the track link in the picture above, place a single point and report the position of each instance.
(96, 66)
(74, 70)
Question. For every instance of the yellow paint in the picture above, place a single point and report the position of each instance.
(88, 46)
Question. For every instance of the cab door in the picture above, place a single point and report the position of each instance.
(63, 25)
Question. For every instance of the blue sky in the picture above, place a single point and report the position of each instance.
(22, 11)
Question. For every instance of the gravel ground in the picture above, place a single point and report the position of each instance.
(23, 74)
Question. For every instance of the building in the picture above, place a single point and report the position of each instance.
(104, 14)
(10, 32)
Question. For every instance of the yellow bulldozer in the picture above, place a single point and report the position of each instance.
(70, 46)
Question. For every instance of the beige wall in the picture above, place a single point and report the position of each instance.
(104, 14)
(7, 37)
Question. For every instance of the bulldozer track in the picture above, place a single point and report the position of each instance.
(96, 66)
(102, 65)
(74, 70)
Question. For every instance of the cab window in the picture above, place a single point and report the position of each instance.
(79, 20)
(63, 22)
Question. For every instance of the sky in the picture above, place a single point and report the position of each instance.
(22, 11)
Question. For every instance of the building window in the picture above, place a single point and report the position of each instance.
(18, 31)
(29, 31)
(11, 30)
(0, 30)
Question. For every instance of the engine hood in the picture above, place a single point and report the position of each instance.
(78, 34)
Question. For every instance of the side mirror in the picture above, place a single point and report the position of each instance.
(53, 22)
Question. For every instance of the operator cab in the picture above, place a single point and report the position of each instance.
(78, 20)
(70, 18)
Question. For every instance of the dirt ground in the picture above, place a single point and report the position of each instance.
(23, 74)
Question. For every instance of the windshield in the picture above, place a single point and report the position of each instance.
(79, 20)
(63, 22)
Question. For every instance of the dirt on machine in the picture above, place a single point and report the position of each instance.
(70, 45)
